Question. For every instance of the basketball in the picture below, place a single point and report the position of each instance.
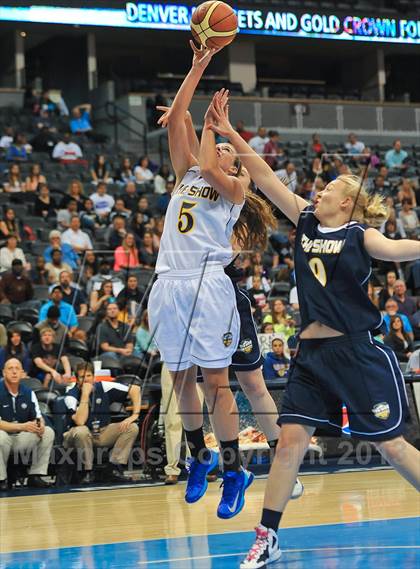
(214, 24)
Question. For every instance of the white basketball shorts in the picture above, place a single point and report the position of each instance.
(194, 319)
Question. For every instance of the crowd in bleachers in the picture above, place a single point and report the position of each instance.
(80, 229)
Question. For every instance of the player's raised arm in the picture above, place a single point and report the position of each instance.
(219, 164)
(191, 133)
(261, 173)
(179, 148)
(384, 249)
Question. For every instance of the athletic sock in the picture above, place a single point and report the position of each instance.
(273, 443)
(230, 455)
(196, 444)
(271, 519)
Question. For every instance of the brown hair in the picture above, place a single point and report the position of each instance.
(251, 229)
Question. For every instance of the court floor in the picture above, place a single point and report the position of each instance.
(346, 520)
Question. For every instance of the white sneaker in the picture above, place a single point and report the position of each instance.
(297, 490)
(264, 551)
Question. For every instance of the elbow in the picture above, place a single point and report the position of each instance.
(208, 172)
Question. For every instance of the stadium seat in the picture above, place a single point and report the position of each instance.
(41, 292)
(86, 323)
(79, 349)
(130, 379)
(6, 313)
(33, 383)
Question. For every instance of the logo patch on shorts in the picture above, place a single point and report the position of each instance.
(246, 346)
(381, 410)
(227, 339)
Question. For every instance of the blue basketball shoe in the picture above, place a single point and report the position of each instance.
(197, 476)
(233, 497)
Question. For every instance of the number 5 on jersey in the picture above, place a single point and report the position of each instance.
(186, 220)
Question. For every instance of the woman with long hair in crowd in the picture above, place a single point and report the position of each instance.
(100, 171)
(282, 322)
(10, 224)
(147, 252)
(44, 205)
(14, 182)
(398, 339)
(126, 256)
(35, 178)
(338, 360)
(124, 172)
(75, 192)
(15, 348)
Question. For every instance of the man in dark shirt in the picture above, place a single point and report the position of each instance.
(406, 304)
(114, 337)
(130, 196)
(46, 357)
(130, 293)
(15, 287)
(73, 295)
(22, 427)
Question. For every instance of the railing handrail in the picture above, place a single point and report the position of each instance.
(114, 112)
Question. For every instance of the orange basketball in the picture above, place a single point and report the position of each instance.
(214, 24)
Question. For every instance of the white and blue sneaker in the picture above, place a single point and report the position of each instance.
(264, 551)
(233, 497)
(197, 476)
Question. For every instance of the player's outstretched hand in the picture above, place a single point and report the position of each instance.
(202, 55)
(219, 108)
(164, 119)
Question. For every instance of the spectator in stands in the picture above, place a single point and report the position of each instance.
(75, 237)
(288, 176)
(147, 252)
(88, 217)
(44, 205)
(7, 138)
(102, 202)
(258, 142)
(409, 218)
(406, 192)
(44, 141)
(114, 337)
(67, 151)
(35, 178)
(126, 256)
(143, 207)
(11, 252)
(117, 232)
(370, 158)
(316, 146)
(101, 171)
(395, 158)
(164, 199)
(104, 274)
(272, 150)
(130, 196)
(46, 359)
(69, 256)
(99, 299)
(75, 193)
(398, 339)
(10, 225)
(15, 348)
(14, 182)
(380, 186)
(72, 294)
(415, 319)
(275, 362)
(354, 146)
(240, 129)
(163, 175)
(39, 274)
(157, 230)
(91, 261)
(406, 304)
(67, 314)
(130, 297)
(18, 150)
(88, 404)
(283, 323)
(142, 171)
(119, 209)
(391, 309)
(137, 225)
(258, 270)
(52, 321)
(55, 267)
(388, 290)
(43, 104)
(145, 347)
(315, 170)
(15, 287)
(125, 172)
(22, 427)
(258, 296)
(391, 230)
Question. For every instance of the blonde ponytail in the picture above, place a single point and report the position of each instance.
(369, 209)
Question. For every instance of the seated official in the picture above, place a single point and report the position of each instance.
(114, 337)
(46, 360)
(22, 427)
(88, 404)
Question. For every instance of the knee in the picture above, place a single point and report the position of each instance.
(5, 439)
(133, 429)
(48, 435)
(392, 450)
(81, 432)
(291, 438)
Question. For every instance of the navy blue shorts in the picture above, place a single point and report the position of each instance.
(248, 354)
(355, 370)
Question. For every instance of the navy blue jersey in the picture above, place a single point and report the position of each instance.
(332, 273)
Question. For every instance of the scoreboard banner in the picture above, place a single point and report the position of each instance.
(161, 16)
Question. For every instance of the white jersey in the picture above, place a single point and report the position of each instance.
(198, 227)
